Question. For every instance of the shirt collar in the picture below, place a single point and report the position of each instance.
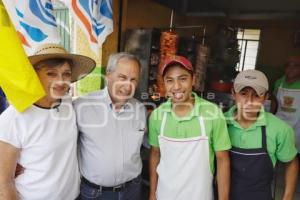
(167, 107)
(260, 121)
(107, 96)
(110, 104)
(284, 82)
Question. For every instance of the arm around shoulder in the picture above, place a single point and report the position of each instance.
(7, 173)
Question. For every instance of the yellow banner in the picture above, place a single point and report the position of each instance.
(18, 79)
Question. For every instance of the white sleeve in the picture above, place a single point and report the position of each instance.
(9, 132)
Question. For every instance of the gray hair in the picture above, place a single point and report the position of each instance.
(114, 59)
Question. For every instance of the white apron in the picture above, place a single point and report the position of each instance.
(184, 171)
(289, 109)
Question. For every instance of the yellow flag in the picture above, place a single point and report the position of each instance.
(18, 79)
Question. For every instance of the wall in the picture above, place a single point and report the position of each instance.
(276, 36)
(277, 40)
(149, 14)
(111, 43)
(277, 44)
(81, 46)
(108, 47)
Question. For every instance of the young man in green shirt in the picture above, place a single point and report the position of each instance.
(258, 140)
(287, 92)
(186, 134)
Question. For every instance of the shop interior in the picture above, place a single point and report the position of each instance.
(219, 37)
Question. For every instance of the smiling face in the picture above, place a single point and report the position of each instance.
(292, 71)
(179, 84)
(122, 82)
(55, 79)
(248, 103)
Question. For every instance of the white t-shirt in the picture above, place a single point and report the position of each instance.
(47, 139)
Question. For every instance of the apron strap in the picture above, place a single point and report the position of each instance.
(264, 138)
(280, 86)
(202, 126)
(163, 123)
(201, 123)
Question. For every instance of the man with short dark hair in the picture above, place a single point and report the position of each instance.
(187, 134)
(258, 140)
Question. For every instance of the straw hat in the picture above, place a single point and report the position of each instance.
(82, 65)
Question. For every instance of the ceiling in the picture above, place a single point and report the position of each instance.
(237, 9)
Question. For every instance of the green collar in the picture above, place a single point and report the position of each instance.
(167, 107)
(260, 121)
(286, 83)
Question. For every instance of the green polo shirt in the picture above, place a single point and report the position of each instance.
(280, 136)
(188, 126)
(281, 81)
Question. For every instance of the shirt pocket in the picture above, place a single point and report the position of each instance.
(134, 139)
